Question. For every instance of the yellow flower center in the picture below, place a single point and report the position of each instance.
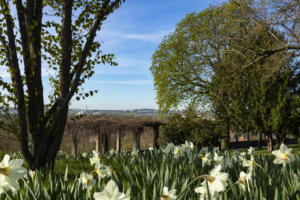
(202, 157)
(165, 197)
(86, 181)
(285, 157)
(210, 179)
(243, 180)
(4, 171)
(253, 163)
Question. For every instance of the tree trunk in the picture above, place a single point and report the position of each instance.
(224, 143)
(248, 136)
(277, 141)
(225, 137)
(155, 137)
(259, 140)
(270, 142)
(46, 146)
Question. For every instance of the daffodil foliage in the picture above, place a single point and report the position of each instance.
(176, 172)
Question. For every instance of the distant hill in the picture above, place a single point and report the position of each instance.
(134, 112)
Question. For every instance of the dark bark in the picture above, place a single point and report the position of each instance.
(225, 137)
(277, 141)
(259, 140)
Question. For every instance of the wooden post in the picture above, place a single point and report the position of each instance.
(105, 142)
(136, 138)
(98, 142)
(156, 136)
(74, 141)
(119, 140)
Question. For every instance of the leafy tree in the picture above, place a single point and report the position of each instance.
(57, 34)
(205, 60)
(186, 63)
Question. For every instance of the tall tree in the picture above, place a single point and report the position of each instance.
(187, 61)
(204, 61)
(61, 35)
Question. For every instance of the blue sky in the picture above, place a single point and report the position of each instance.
(132, 33)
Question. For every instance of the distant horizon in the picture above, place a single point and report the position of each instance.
(114, 109)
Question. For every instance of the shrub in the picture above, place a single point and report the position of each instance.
(192, 128)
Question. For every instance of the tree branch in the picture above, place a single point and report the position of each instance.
(104, 12)
(16, 79)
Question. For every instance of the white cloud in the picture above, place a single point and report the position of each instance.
(156, 36)
(130, 82)
(126, 66)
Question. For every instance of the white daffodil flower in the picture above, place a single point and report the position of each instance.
(103, 171)
(10, 172)
(216, 149)
(84, 155)
(242, 156)
(189, 145)
(111, 192)
(203, 191)
(206, 159)
(215, 183)
(251, 151)
(244, 180)
(217, 160)
(249, 163)
(31, 174)
(177, 151)
(283, 155)
(169, 148)
(87, 180)
(150, 148)
(95, 160)
(168, 194)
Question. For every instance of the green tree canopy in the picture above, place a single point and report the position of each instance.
(206, 60)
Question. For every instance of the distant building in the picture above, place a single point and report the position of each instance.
(96, 113)
(80, 113)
